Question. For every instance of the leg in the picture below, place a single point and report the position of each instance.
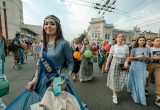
(2, 106)
(74, 76)
(102, 68)
(157, 80)
(150, 68)
(157, 84)
(26, 58)
(115, 97)
(15, 61)
(15, 57)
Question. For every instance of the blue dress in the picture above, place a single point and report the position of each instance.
(58, 54)
(2, 106)
(137, 77)
(1, 51)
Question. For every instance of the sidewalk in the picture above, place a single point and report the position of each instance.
(18, 78)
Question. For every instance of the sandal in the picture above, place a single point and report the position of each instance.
(74, 77)
(17, 67)
(81, 80)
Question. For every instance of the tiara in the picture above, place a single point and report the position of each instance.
(52, 17)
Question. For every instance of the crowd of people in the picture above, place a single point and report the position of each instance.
(21, 49)
(132, 65)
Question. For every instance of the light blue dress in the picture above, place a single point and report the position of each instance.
(137, 77)
(58, 54)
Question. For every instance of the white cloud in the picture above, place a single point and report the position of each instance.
(147, 15)
(78, 17)
(31, 13)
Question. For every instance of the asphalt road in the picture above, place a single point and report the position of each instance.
(94, 93)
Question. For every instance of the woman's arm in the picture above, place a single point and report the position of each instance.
(69, 59)
(126, 62)
(82, 50)
(131, 57)
(108, 61)
(32, 84)
(155, 58)
(68, 55)
(16, 43)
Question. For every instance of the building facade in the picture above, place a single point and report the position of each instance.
(11, 20)
(100, 30)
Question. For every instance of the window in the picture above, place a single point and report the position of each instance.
(99, 35)
(4, 3)
(96, 35)
(92, 35)
(106, 36)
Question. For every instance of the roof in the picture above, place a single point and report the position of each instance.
(28, 27)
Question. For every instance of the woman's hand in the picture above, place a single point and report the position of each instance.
(140, 56)
(32, 84)
(62, 84)
(106, 68)
(126, 65)
(156, 57)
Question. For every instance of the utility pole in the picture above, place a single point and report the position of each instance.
(5, 20)
(107, 6)
(0, 22)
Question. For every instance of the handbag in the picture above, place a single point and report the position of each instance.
(4, 86)
(121, 67)
(4, 83)
(12, 48)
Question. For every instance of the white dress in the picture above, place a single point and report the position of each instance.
(36, 49)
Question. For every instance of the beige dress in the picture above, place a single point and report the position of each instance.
(65, 101)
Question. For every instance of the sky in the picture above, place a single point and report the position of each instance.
(75, 15)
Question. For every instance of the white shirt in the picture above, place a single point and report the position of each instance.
(120, 51)
(35, 47)
(154, 51)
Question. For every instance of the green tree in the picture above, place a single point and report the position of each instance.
(81, 37)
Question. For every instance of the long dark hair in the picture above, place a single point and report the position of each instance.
(5, 45)
(59, 34)
(137, 45)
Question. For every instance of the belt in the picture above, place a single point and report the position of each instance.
(139, 60)
(155, 61)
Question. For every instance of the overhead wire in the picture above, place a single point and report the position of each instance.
(31, 14)
(11, 17)
(36, 13)
(100, 2)
(78, 4)
(26, 9)
(138, 5)
(86, 1)
(150, 24)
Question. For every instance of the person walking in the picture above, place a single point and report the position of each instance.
(86, 67)
(56, 51)
(116, 75)
(75, 48)
(137, 72)
(153, 67)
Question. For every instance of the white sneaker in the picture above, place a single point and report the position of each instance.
(115, 99)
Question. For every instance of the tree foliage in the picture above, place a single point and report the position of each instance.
(81, 37)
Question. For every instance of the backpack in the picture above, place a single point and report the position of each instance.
(12, 47)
